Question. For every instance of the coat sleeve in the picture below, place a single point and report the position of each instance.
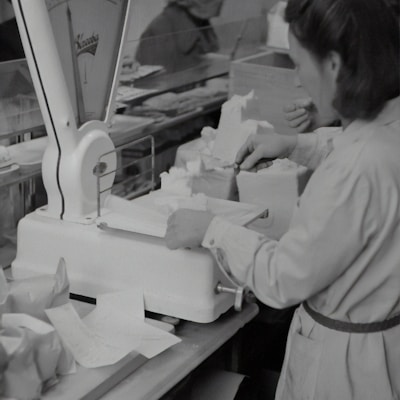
(312, 148)
(311, 255)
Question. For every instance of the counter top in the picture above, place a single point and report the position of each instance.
(141, 379)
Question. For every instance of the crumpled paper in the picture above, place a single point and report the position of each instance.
(33, 295)
(34, 356)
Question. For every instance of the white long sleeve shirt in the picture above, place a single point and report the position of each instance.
(342, 254)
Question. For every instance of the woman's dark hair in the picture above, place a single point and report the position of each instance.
(366, 34)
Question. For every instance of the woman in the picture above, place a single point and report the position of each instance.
(302, 114)
(180, 35)
(340, 256)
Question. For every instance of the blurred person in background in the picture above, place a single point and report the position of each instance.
(180, 35)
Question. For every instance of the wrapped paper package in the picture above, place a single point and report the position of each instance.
(31, 352)
(34, 294)
(204, 173)
(235, 127)
(219, 183)
(217, 149)
(34, 356)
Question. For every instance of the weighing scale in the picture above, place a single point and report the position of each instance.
(74, 52)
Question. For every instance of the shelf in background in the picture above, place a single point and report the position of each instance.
(20, 132)
(127, 135)
(165, 82)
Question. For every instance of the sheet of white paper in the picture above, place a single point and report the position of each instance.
(120, 319)
(113, 329)
(239, 213)
(89, 348)
(132, 217)
(153, 211)
(122, 222)
(115, 326)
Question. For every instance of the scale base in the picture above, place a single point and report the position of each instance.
(179, 283)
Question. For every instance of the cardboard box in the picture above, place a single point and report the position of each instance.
(272, 77)
(277, 189)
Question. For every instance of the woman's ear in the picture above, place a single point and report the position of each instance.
(334, 61)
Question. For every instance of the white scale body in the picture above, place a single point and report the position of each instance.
(179, 283)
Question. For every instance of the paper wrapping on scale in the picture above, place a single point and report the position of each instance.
(148, 214)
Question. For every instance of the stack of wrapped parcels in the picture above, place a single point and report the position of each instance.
(32, 355)
(206, 165)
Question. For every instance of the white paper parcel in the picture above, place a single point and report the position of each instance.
(234, 127)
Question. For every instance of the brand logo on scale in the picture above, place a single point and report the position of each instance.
(87, 45)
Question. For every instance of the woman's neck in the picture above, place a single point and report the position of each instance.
(345, 122)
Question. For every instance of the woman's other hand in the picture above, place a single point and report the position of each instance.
(302, 115)
(186, 228)
(262, 147)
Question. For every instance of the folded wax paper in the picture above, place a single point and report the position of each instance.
(34, 294)
(32, 354)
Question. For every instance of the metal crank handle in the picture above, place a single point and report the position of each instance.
(239, 293)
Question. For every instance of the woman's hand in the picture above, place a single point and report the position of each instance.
(186, 228)
(262, 147)
(302, 115)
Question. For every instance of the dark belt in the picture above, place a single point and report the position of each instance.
(351, 326)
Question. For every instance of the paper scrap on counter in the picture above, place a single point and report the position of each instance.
(115, 328)
(120, 318)
(90, 349)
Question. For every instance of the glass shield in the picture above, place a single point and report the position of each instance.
(88, 35)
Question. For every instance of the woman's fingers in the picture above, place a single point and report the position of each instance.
(246, 149)
(298, 114)
(252, 159)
